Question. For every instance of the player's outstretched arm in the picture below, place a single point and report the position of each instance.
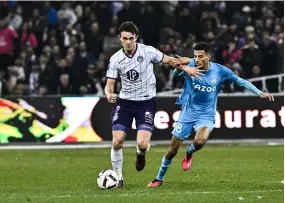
(248, 85)
(109, 91)
(230, 75)
(176, 62)
(168, 60)
(182, 60)
(182, 64)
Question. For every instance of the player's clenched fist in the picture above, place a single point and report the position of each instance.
(112, 98)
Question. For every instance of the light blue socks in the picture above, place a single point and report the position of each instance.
(191, 149)
(163, 168)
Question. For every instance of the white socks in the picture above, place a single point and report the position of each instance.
(117, 161)
(140, 152)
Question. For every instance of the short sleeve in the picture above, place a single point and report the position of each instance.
(156, 56)
(112, 71)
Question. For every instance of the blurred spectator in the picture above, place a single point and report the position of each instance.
(232, 54)
(85, 16)
(280, 65)
(94, 41)
(78, 11)
(31, 57)
(79, 32)
(7, 35)
(111, 42)
(20, 89)
(43, 90)
(38, 25)
(52, 14)
(277, 35)
(45, 73)
(55, 55)
(232, 33)
(256, 72)
(28, 38)
(185, 23)
(269, 64)
(150, 27)
(128, 13)
(91, 85)
(66, 15)
(47, 52)
(251, 55)
(84, 58)
(3, 85)
(34, 80)
(68, 33)
(70, 55)
(187, 47)
(269, 51)
(15, 73)
(80, 66)
(104, 16)
(16, 18)
(64, 85)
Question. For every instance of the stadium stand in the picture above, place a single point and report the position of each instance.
(51, 48)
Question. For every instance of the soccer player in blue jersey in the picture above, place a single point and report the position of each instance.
(198, 101)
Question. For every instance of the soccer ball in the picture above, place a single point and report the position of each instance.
(107, 179)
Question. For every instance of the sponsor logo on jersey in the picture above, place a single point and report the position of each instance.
(132, 75)
(203, 88)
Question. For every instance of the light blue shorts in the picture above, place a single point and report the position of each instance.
(183, 130)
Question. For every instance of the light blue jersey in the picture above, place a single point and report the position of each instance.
(199, 97)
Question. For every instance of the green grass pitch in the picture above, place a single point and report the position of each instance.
(219, 174)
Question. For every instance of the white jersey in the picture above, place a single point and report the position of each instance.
(136, 73)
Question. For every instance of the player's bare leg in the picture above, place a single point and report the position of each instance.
(143, 140)
(166, 161)
(117, 154)
(200, 139)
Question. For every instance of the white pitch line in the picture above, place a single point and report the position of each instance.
(145, 193)
(108, 144)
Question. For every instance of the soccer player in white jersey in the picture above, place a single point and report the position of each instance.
(134, 64)
(199, 101)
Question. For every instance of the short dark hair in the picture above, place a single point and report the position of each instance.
(203, 46)
(128, 26)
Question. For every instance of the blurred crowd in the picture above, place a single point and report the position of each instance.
(64, 47)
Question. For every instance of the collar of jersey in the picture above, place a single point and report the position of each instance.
(210, 66)
(133, 54)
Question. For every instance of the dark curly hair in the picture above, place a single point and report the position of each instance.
(128, 26)
(203, 46)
